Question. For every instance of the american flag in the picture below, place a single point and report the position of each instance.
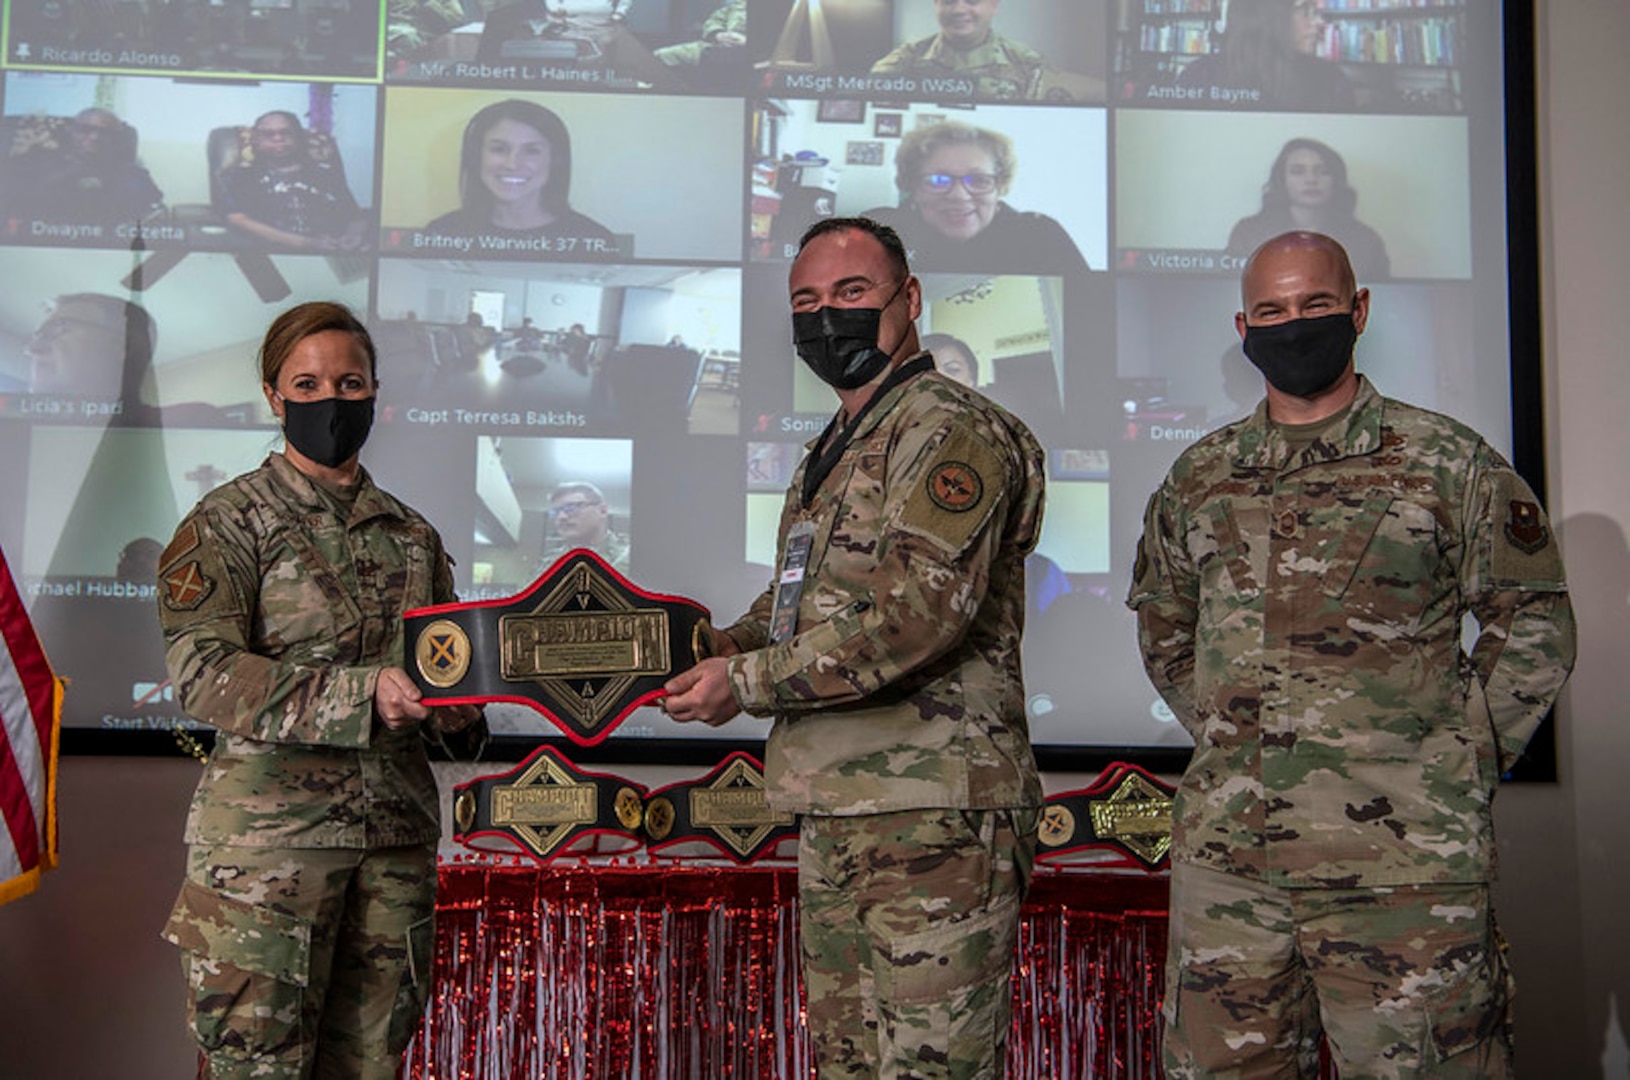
(30, 711)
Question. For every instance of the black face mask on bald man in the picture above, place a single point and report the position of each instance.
(1302, 357)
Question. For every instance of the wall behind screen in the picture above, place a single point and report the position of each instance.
(1095, 288)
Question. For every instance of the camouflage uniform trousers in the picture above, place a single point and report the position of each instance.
(909, 921)
(1404, 980)
(311, 962)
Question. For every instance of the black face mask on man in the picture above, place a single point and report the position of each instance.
(329, 431)
(840, 344)
(1302, 357)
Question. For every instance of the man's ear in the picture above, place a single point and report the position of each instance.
(1361, 309)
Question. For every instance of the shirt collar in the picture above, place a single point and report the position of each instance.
(370, 502)
(1260, 443)
(887, 396)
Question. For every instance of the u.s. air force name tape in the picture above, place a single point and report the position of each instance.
(582, 645)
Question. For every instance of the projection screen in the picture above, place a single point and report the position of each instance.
(1078, 181)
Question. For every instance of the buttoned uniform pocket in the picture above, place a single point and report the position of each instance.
(1381, 562)
(1468, 1023)
(414, 988)
(1229, 586)
(1389, 623)
(247, 969)
(1480, 728)
(943, 980)
(940, 987)
(417, 544)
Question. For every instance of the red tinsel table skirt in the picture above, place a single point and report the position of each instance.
(676, 973)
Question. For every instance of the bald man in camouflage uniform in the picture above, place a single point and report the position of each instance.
(892, 674)
(1300, 587)
(967, 47)
(281, 603)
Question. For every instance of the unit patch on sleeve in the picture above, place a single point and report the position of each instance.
(955, 490)
(1526, 528)
(955, 486)
(1522, 550)
(186, 586)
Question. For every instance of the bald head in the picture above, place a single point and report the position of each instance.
(1299, 253)
(1293, 287)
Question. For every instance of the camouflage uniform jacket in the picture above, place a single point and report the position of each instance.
(999, 68)
(901, 687)
(613, 548)
(431, 17)
(729, 18)
(1301, 614)
(278, 616)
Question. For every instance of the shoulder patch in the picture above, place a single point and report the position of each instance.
(1522, 548)
(180, 570)
(955, 486)
(182, 544)
(1525, 528)
(186, 586)
(1147, 570)
(953, 495)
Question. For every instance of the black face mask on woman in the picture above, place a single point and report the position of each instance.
(1303, 356)
(840, 344)
(329, 431)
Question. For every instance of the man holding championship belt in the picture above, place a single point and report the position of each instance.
(887, 653)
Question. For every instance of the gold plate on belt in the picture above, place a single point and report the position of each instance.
(547, 805)
(1125, 816)
(583, 645)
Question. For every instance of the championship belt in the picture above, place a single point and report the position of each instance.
(549, 807)
(1124, 818)
(725, 813)
(582, 645)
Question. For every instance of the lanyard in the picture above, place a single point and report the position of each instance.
(836, 438)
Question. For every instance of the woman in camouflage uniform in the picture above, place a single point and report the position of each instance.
(306, 918)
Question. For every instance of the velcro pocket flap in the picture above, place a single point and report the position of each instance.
(248, 936)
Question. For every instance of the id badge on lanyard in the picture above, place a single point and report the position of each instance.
(789, 583)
